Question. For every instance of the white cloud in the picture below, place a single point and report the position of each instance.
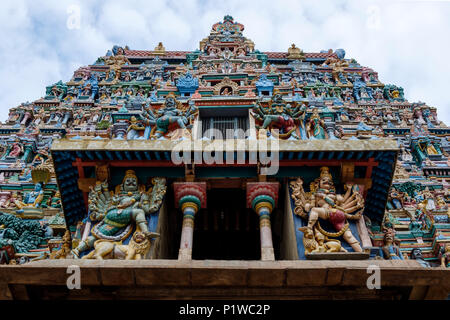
(405, 41)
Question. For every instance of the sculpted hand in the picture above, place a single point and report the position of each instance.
(348, 185)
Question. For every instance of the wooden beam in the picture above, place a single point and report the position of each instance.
(282, 163)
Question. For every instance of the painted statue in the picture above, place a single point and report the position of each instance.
(390, 250)
(338, 65)
(117, 213)
(16, 149)
(31, 199)
(137, 249)
(395, 200)
(315, 127)
(170, 113)
(64, 251)
(428, 196)
(323, 202)
(280, 115)
(416, 254)
(134, 128)
(445, 255)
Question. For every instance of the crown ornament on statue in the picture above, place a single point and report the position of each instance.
(129, 174)
(325, 172)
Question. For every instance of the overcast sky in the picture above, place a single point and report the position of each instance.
(407, 42)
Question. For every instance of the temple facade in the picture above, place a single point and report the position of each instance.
(225, 167)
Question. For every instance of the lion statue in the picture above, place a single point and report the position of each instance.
(137, 249)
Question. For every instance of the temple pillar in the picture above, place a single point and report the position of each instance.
(27, 153)
(189, 197)
(262, 198)
(66, 117)
(26, 117)
(8, 150)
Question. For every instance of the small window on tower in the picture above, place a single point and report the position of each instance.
(225, 127)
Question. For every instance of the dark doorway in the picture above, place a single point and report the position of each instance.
(226, 230)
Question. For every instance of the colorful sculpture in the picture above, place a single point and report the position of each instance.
(115, 213)
(323, 202)
(32, 199)
(280, 115)
(294, 95)
(16, 149)
(315, 127)
(170, 113)
(390, 250)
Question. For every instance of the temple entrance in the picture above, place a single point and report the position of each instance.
(226, 230)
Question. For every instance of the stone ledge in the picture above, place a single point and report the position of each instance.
(210, 273)
(282, 145)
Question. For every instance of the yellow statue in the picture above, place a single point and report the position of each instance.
(65, 248)
(314, 242)
(137, 249)
(445, 259)
(431, 149)
(337, 66)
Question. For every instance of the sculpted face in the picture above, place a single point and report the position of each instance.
(325, 182)
(170, 102)
(389, 237)
(416, 254)
(37, 187)
(130, 184)
(139, 237)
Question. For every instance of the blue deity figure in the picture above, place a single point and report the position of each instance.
(418, 196)
(427, 116)
(32, 199)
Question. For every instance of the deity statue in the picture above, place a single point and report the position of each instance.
(445, 255)
(441, 202)
(16, 149)
(118, 92)
(32, 199)
(416, 254)
(390, 250)
(171, 112)
(405, 154)
(323, 202)
(65, 248)
(395, 200)
(39, 117)
(347, 95)
(56, 200)
(280, 115)
(41, 156)
(315, 127)
(337, 66)
(429, 198)
(134, 128)
(421, 215)
(11, 203)
(115, 212)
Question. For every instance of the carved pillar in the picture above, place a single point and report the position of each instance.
(26, 117)
(66, 117)
(262, 197)
(8, 150)
(27, 153)
(52, 116)
(190, 197)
